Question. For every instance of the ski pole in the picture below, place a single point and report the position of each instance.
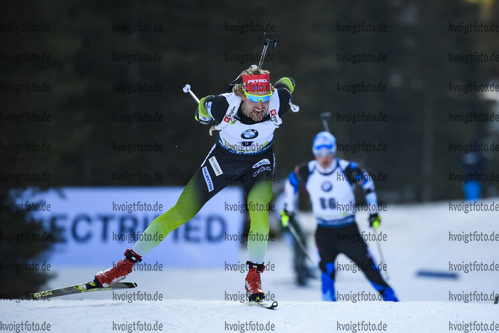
(298, 241)
(380, 253)
(325, 117)
(266, 43)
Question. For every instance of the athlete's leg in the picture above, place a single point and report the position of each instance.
(201, 188)
(257, 183)
(354, 247)
(191, 200)
(325, 240)
(259, 196)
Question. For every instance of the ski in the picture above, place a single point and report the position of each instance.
(265, 305)
(81, 288)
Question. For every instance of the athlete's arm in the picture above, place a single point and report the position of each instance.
(284, 87)
(357, 176)
(211, 108)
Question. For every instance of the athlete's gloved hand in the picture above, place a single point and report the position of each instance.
(286, 217)
(374, 220)
(201, 114)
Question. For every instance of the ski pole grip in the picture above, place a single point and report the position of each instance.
(187, 89)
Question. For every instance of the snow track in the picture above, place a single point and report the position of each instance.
(195, 300)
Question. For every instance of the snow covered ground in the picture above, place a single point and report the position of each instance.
(209, 300)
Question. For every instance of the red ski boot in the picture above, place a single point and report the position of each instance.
(119, 271)
(253, 282)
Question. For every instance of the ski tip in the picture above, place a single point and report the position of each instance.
(272, 306)
(265, 305)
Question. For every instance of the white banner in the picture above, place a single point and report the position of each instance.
(99, 224)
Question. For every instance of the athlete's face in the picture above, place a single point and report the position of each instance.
(325, 161)
(255, 111)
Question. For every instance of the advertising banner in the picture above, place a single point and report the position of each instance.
(98, 224)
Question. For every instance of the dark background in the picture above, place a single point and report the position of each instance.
(197, 46)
